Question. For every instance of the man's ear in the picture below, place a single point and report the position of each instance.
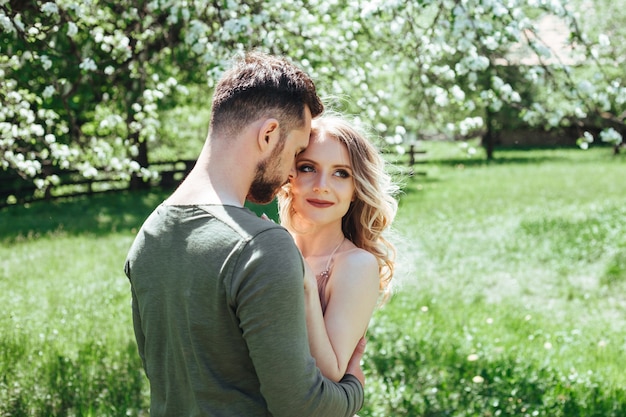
(268, 135)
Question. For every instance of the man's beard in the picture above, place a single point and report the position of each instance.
(266, 182)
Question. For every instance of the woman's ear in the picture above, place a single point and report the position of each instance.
(268, 135)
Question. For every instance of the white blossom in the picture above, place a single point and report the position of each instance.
(88, 64)
(457, 93)
(48, 91)
(470, 124)
(611, 135)
(604, 41)
(50, 8)
(6, 24)
(72, 29)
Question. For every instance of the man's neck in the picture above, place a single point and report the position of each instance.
(201, 188)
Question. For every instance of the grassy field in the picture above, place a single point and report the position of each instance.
(508, 301)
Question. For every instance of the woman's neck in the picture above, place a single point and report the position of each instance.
(321, 242)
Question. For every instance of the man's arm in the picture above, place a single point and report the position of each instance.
(269, 295)
(139, 336)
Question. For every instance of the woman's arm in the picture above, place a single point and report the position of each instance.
(352, 293)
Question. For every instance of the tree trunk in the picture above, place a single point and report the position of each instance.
(488, 139)
(489, 136)
(136, 182)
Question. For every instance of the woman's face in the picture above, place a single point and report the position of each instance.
(324, 187)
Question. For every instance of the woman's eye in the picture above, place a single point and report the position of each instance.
(342, 173)
(305, 168)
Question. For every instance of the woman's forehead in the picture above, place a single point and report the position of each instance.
(325, 147)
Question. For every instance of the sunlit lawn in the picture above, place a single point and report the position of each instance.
(512, 301)
(509, 296)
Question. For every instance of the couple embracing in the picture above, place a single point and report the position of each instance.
(235, 315)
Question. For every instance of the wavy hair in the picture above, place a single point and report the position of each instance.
(374, 208)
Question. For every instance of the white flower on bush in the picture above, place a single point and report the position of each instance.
(46, 63)
(5, 23)
(87, 170)
(393, 140)
(134, 166)
(584, 141)
(579, 112)
(53, 179)
(115, 164)
(37, 130)
(604, 41)
(72, 29)
(457, 93)
(400, 130)
(27, 115)
(88, 64)
(470, 124)
(30, 167)
(491, 43)
(611, 135)
(19, 25)
(586, 87)
(48, 91)
(49, 9)
(133, 150)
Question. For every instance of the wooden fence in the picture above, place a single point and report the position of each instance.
(17, 190)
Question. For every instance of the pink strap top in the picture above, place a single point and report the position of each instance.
(323, 277)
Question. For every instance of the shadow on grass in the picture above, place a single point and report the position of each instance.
(517, 155)
(98, 214)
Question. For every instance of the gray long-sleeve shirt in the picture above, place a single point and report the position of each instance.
(219, 318)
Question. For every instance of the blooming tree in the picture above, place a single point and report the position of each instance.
(446, 69)
(83, 84)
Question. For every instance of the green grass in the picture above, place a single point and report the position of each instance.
(511, 299)
(66, 343)
(508, 297)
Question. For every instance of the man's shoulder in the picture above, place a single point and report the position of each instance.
(244, 221)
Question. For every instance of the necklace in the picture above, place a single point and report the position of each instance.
(326, 272)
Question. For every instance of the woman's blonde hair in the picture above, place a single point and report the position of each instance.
(374, 206)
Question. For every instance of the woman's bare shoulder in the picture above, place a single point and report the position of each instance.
(356, 257)
(356, 264)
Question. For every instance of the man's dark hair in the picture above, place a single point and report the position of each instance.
(261, 85)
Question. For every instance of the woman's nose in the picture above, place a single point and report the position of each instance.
(321, 184)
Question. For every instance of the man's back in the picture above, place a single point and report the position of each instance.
(219, 317)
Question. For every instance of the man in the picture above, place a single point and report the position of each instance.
(218, 297)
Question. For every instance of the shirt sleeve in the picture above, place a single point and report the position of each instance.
(267, 291)
(137, 327)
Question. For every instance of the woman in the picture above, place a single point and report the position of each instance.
(337, 209)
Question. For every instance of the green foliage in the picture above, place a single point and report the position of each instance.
(101, 85)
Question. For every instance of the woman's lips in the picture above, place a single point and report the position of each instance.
(319, 203)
